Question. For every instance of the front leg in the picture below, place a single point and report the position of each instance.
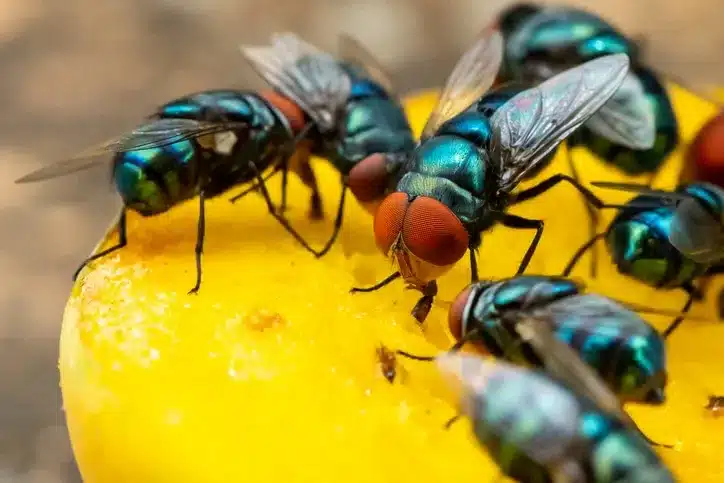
(692, 294)
(593, 218)
(474, 277)
(378, 285)
(520, 223)
(549, 183)
(270, 207)
(337, 222)
(200, 234)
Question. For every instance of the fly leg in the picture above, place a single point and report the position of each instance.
(300, 165)
(473, 334)
(255, 186)
(549, 183)
(452, 421)
(579, 253)
(423, 306)
(270, 206)
(520, 223)
(693, 294)
(337, 222)
(199, 250)
(285, 180)
(474, 277)
(122, 242)
(593, 218)
(376, 286)
(290, 153)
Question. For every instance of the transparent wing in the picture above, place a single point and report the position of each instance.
(696, 233)
(471, 77)
(311, 78)
(628, 118)
(586, 305)
(534, 122)
(152, 134)
(352, 50)
(563, 362)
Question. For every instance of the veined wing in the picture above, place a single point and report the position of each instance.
(697, 233)
(628, 118)
(534, 122)
(563, 362)
(311, 78)
(352, 50)
(471, 77)
(152, 134)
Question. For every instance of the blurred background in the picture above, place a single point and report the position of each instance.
(76, 72)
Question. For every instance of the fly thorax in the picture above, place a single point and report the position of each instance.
(465, 206)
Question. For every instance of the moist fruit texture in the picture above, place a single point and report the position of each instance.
(271, 372)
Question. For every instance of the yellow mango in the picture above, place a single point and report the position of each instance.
(271, 372)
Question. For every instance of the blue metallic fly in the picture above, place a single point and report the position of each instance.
(461, 178)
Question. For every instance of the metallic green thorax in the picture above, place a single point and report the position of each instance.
(521, 415)
(154, 180)
(638, 240)
(627, 353)
(454, 168)
(372, 122)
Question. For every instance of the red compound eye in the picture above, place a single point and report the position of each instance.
(389, 220)
(707, 152)
(433, 233)
(368, 179)
(455, 316)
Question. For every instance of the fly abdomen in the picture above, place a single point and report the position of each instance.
(640, 247)
(626, 352)
(640, 464)
(151, 181)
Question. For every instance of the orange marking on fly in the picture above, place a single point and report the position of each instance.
(291, 111)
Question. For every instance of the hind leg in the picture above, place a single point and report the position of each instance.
(693, 294)
(593, 216)
(299, 163)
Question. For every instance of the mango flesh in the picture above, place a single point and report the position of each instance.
(271, 372)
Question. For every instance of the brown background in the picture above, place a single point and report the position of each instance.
(75, 72)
